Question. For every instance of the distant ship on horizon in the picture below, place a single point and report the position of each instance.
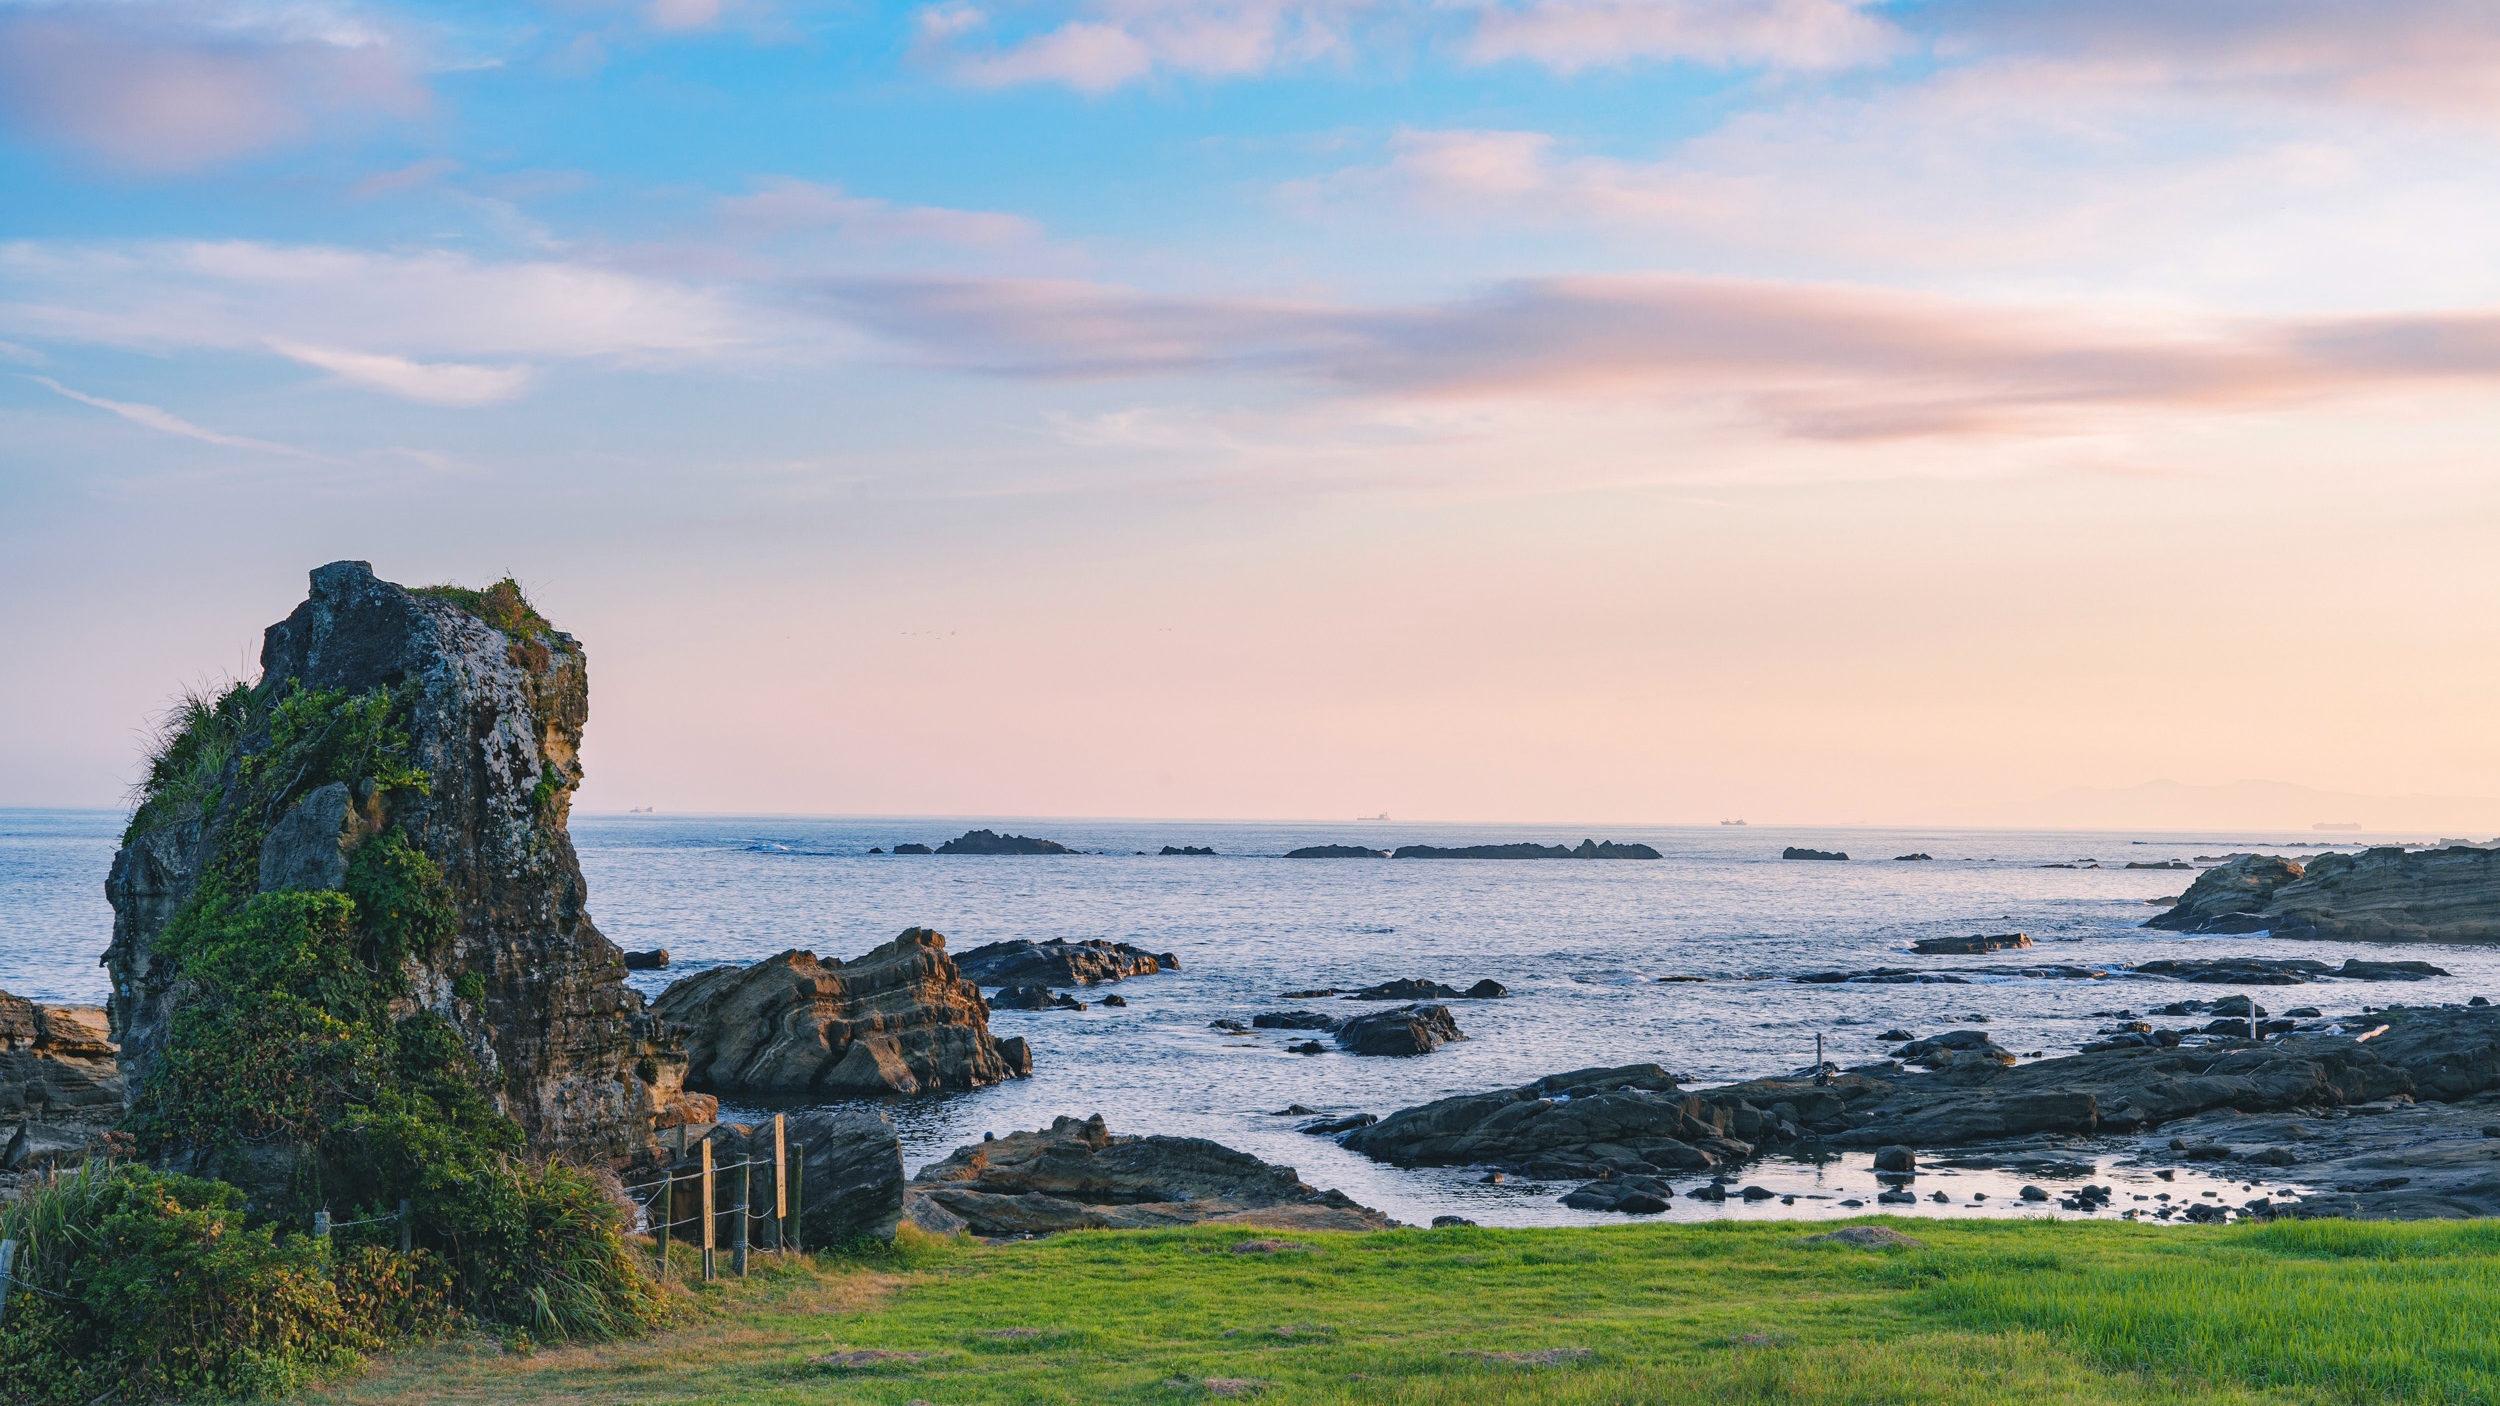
(1731, 822)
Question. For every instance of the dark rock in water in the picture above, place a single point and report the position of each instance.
(1798, 852)
(2033, 1193)
(1417, 989)
(1330, 1127)
(1631, 1196)
(2305, 1012)
(1227, 1023)
(2355, 969)
(1883, 976)
(1588, 849)
(2160, 864)
(876, 849)
(2480, 1001)
(1708, 1191)
(494, 717)
(1115, 999)
(991, 842)
(1586, 1118)
(2386, 894)
(853, 1185)
(1408, 1030)
(1449, 1222)
(2231, 898)
(1336, 852)
(654, 960)
(1187, 849)
(2239, 1006)
(1294, 1020)
(1970, 946)
(1955, 1049)
(1895, 1159)
(1060, 962)
(1308, 1047)
(1078, 1176)
(913, 849)
(1312, 995)
(1896, 1196)
(1896, 1035)
(1034, 998)
(1906, 858)
(897, 1019)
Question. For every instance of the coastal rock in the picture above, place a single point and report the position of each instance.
(1408, 1030)
(654, 960)
(991, 842)
(1417, 989)
(1033, 998)
(1955, 1049)
(494, 716)
(1060, 962)
(1336, 852)
(1588, 849)
(1632, 1196)
(913, 849)
(60, 1084)
(1883, 976)
(898, 1019)
(2231, 898)
(2284, 971)
(1573, 1124)
(1294, 1020)
(1971, 946)
(1187, 849)
(1798, 852)
(1078, 1175)
(1908, 858)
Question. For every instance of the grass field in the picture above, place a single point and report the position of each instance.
(1988, 1312)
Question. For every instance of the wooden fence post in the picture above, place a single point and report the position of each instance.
(321, 1225)
(798, 1198)
(709, 1228)
(407, 1231)
(781, 1182)
(8, 1268)
(746, 1185)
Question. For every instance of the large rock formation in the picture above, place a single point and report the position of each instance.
(494, 713)
(1060, 962)
(899, 1019)
(60, 1085)
(1078, 1176)
(2387, 894)
(992, 842)
(1406, 1030)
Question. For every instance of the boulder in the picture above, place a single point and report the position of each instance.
(493, 699)
(1336, 852)
(1971, 946)
(654, 960)
(1294, 1020)
(1078, 1175)
(1407, 1030)
(991, 842)
(898, 1019)
(1632, 1196)
(1034, 998)
(1799, 852)
(1954, 1048)
(1060, 962)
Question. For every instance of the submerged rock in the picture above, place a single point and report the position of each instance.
(1799, 852)
(1418, 989)
(897, 1019)
(1408, 1030)
(1060, 962)
(1336, 852)
(1588, 849)
(1971, 946)
(1078, 1175)
(1294, 1020)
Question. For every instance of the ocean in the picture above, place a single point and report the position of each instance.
(1581, 945)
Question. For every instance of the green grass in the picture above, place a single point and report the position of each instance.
(1990, 1312)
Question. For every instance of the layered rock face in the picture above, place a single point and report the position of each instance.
(1060, 962)
(1076, 1175)
(60, 1085)
(2387, 894)
(899, 1019)
(495, 718)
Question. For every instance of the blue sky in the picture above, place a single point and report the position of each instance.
(1612, 392)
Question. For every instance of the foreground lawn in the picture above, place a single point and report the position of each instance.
(1989, 1312)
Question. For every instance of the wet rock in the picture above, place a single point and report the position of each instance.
(1336, 852)
(1632, 1116)
(654, 960)
(1971, 946)
(991, 842)
(1896, 1196)
(1033, 998)
(897, 1019)
(1060, 962)
(1116, 1000)
(1883, 976)
(1955, 1048)
(1907, 858)
(1631, 1196)
(1896, 1034)
(1799, 852)
(1294, 1020)
(2033, 1193)
(1307, 1047)
(913, 849)
(1895, 1159)
(1187, 849)
(1408, 1030)
(1330, 1127)
(1079, 1175)
(1416, 989)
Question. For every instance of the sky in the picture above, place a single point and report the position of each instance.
(1562, 410)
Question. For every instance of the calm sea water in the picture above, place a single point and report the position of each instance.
(1580, 944)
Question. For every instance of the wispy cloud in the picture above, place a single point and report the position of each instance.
(166, 422)
(781, 205)
(1570, 35)
(160, 87)
(1815, 361)
(434, 383)
(1105, 44)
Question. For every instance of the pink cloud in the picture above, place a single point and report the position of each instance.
(1111, 43)
(1819, 361)
(1570, 35)
(782, 205)
(158, 88)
